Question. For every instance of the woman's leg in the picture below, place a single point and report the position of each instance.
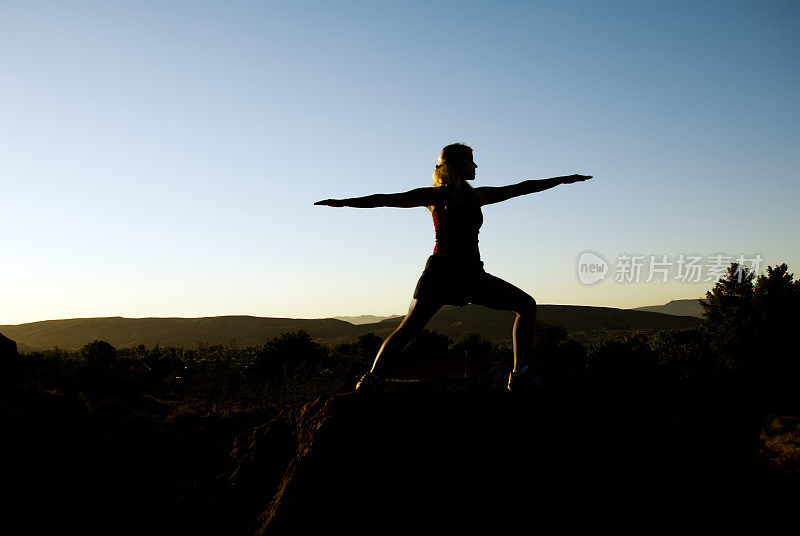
(420, 312)
(499, 294)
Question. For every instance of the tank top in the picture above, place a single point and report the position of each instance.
(457, 223)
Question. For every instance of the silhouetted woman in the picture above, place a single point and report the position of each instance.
(454, 274)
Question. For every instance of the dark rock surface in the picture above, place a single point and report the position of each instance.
(9, 362)
(8, 348)
(427, 460)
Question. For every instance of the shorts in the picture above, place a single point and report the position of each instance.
(452, 281)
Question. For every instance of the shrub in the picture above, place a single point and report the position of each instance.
(427, 345)
(287, 356)
(628, 359)
(99, 355)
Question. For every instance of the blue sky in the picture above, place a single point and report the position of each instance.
(163, 158)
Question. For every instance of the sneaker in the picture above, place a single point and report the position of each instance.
(524, 379)
(368, 382)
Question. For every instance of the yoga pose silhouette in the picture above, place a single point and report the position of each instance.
(454, 273)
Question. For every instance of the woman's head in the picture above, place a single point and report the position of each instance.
(455, 166)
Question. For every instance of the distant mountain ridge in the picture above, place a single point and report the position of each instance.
(365, 319)
(581, 322)
(689, 307)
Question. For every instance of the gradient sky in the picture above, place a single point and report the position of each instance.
(163, 158)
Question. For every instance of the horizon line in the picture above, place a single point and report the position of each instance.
(310, 317)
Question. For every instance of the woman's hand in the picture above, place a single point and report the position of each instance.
(331, 202)
(575, 178)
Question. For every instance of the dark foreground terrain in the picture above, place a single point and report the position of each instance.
(696, 429)
(426, 457)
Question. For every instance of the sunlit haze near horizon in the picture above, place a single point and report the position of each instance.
(162, 158)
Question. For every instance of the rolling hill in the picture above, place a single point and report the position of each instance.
(690, 307)
(365, 319)
(582, 323)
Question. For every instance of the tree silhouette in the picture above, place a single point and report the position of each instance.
(427, 345)
(99, 355)
(776, 298)
(750, 321)
(730, 319)
(287, 356)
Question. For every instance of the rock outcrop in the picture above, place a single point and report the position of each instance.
(8, 348)
(9, 362)
(429, 460)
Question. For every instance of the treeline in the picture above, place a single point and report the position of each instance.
(747, 331)
(747, 334)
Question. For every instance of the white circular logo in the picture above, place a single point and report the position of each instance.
(591, 268)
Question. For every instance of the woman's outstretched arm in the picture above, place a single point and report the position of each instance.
(420, 197)
(487, 195)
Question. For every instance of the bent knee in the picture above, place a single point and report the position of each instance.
(527, 306)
